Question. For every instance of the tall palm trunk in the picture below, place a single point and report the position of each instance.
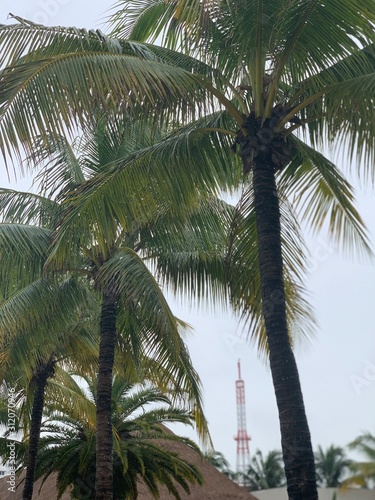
(295, 436)
(104, 439)
(41, 376)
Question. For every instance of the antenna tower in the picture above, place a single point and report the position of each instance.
(242, 438)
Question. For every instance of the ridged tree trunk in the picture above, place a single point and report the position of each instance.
(40, 379)
(295, 435)
(104, 439)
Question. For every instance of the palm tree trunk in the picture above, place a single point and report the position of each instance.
(295, 435)
(104, 439)
(41, 376)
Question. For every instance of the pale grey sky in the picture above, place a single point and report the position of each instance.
(337, 369)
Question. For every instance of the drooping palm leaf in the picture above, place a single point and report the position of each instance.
(23, 251)
(324, 198)
(27, 208)
(108, 73)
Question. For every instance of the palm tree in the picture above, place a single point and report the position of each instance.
(217, 459)
(272, 70)
(68, 445)
(133, 307)
(131, 300)
(31, 398)
(160, 239)
(288, 67)
(29, 356)
(265, 472)
(331, 466)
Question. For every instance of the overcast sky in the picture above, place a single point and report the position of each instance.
(337, 368)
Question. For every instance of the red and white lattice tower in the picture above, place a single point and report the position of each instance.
(242, 438)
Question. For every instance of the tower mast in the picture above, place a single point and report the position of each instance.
(242, 438)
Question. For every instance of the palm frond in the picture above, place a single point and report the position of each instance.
(66, 397)
(302, 44)
(352, 127)
(33, 318)
(23, 251)
(324, 198)
(143, 20)
(58, 165)
(322, 103)
(39, 95)
(189, 254)
(18, 207)
(182, 382)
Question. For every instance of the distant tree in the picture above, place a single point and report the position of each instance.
(217, 459)
(331, 466)
(363, 473)
(265, 472)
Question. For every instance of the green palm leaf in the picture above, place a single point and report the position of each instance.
(324, 198)
(23, 252)
(64, 60)
(27, 208)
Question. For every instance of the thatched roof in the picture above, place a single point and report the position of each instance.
(48, 492)
(216, 486)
